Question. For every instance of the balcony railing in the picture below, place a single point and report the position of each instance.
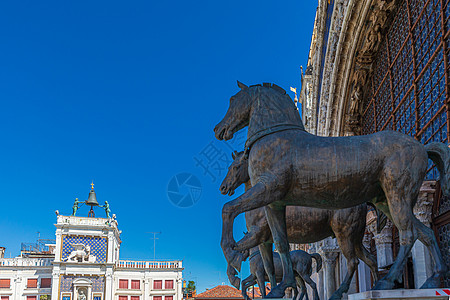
(133, 264)
(25, 262)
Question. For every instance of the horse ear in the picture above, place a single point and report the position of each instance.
(233, 155)
(241, 85)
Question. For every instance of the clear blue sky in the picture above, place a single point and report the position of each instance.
(127, 94)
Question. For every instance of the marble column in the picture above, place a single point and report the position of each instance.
(319, 282)
(383, 243)
(364, 275)
(320, 286)
(16, 285)
(55, 281)
(147, 286)
(330, 256)
(109, 285)
(179, 288)
(423, 210)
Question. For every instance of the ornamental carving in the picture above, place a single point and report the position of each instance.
(82, 253)
(375, 28)
(374, 31)
(353, 120)
(385, 236)
(423, 210)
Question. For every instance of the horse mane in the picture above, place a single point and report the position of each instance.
(278, 107)
(273, 86)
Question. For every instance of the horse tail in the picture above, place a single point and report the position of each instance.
(439, 153)
(318, 259)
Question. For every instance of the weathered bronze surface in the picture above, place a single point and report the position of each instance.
(301, 263)
(76, 206)
(303, 224)
(294, 167)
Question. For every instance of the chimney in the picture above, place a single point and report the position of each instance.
(2, 252)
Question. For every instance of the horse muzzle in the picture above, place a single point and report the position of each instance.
(222, 132)
(224, 189)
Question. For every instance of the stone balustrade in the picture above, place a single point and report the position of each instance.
(25, 262)
(71, 220)
(133, 264)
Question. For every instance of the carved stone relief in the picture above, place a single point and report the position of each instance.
(374, 32)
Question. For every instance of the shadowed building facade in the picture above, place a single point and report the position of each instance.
(376, 65)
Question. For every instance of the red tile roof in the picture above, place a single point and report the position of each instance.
(221, 292)
(257, 291)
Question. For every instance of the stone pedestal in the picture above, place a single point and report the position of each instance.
(428, 294)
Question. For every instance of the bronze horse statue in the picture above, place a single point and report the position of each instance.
(302, 265)
(304, 225)
(289, 166)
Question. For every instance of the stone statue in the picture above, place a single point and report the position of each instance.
(107, 210)
(82, 253)
(76, 206)
(301, 262)
(373, 37)
(289, 166)
(358, 81)
(378, 20)
(81, 295)
(347, 225)
(355, 100)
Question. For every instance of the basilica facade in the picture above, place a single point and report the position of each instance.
(382, 65)
(84, 264)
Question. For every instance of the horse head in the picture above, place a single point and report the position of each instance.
(237, 115)
(259, 107)
(237, 174)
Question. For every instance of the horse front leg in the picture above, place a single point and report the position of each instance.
(253, 238)
(267, 257)
(232, 276)
(403, 219)
(246, 283)
(276, 217)
(253, 198)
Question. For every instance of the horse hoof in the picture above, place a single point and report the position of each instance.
(336, 296)
(276, 293)
(236, 282)
(433, 282)
(383, 285)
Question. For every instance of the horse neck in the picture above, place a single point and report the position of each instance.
(269, 111)
(253, 250)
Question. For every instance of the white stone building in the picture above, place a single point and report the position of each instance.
(84, 264)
